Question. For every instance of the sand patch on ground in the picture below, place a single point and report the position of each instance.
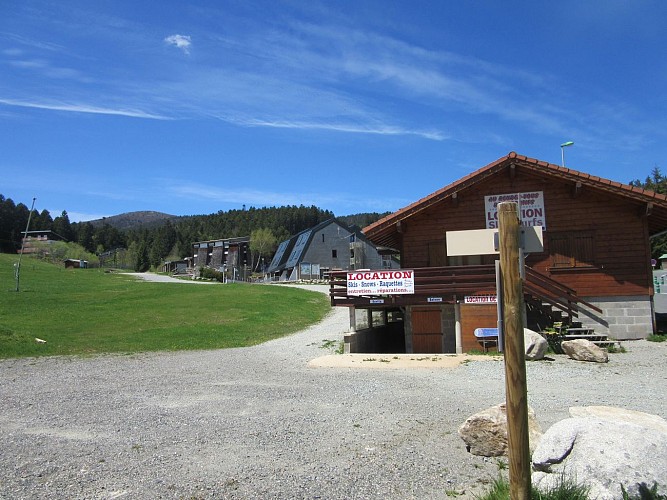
(397, 361)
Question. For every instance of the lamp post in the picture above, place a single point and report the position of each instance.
(562, 152)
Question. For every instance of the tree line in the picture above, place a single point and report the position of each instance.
(656, 182)
(143, 247)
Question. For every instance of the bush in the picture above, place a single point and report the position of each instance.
(211, 274)
(554, 340)
(57, 251)
(565, 490)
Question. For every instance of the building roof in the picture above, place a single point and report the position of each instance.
(290, 252)
(386, 230)
(232, 241)
(51, 235)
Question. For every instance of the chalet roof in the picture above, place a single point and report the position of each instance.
(51, 235)
(386, 230)
(231, 241)
(286, 257)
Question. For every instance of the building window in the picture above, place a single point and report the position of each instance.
(322, 237)
(572, 249)
(334, 253)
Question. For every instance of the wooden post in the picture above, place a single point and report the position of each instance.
(515, 362)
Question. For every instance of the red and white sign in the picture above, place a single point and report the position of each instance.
(394, 282)
(531, 208)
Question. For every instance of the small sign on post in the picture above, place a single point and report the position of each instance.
(486, 241)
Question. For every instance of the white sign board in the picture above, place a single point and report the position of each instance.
(394, 282)
(531, 208)
(482, 241)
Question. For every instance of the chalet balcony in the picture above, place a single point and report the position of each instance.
(452, 284)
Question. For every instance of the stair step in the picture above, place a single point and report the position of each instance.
(607, 343)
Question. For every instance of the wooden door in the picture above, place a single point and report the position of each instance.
(476, 316)
(426, 331)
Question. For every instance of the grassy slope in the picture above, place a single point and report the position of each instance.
(87, 311)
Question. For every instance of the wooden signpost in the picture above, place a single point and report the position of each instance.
(511, 241)
(516, 392)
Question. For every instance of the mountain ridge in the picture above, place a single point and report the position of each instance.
(130, 220)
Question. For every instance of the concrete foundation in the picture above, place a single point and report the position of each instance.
(622, 318)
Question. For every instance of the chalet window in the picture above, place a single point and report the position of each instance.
(334, 254)
(572, 249)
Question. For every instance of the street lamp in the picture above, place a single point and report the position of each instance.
(562, 152)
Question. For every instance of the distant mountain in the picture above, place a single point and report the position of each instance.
(150, 219)
(133, 220)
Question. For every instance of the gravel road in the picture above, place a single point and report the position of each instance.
(260, 422)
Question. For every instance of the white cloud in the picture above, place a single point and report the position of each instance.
(82, 108)
(434, 135)
(182, 42)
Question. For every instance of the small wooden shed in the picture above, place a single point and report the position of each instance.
(76, 264)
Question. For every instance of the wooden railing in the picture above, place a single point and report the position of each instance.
(554, 293)
(448, 284)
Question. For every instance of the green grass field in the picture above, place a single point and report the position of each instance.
(89, 311)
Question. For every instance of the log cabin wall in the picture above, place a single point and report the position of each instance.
(595, 243)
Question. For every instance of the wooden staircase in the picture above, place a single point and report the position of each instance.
(576, 331)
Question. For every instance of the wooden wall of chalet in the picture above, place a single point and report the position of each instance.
(621, 253)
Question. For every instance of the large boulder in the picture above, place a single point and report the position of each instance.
(485, 433)
(584, 350)
(536, 345)
(604, 448)
(621, 414)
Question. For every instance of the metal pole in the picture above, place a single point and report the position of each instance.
(562, 156)
(514, 349)
(499, 308)
(25, 235)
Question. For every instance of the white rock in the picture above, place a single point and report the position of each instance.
(536, 345)
(602, 453)
(584, 350)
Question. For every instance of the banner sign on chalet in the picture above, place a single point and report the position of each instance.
(531, 208)
(394, 282)
(480, 299)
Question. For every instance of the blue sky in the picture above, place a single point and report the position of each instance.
(354, 106)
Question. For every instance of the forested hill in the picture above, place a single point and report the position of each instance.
(162, 236)
(133, 220)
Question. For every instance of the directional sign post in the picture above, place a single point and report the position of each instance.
(514, 350)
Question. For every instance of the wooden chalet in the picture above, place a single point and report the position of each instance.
(32, 240)
(595, 267)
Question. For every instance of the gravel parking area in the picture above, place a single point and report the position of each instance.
(265, 422)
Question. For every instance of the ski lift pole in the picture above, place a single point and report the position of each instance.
(25, 235)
